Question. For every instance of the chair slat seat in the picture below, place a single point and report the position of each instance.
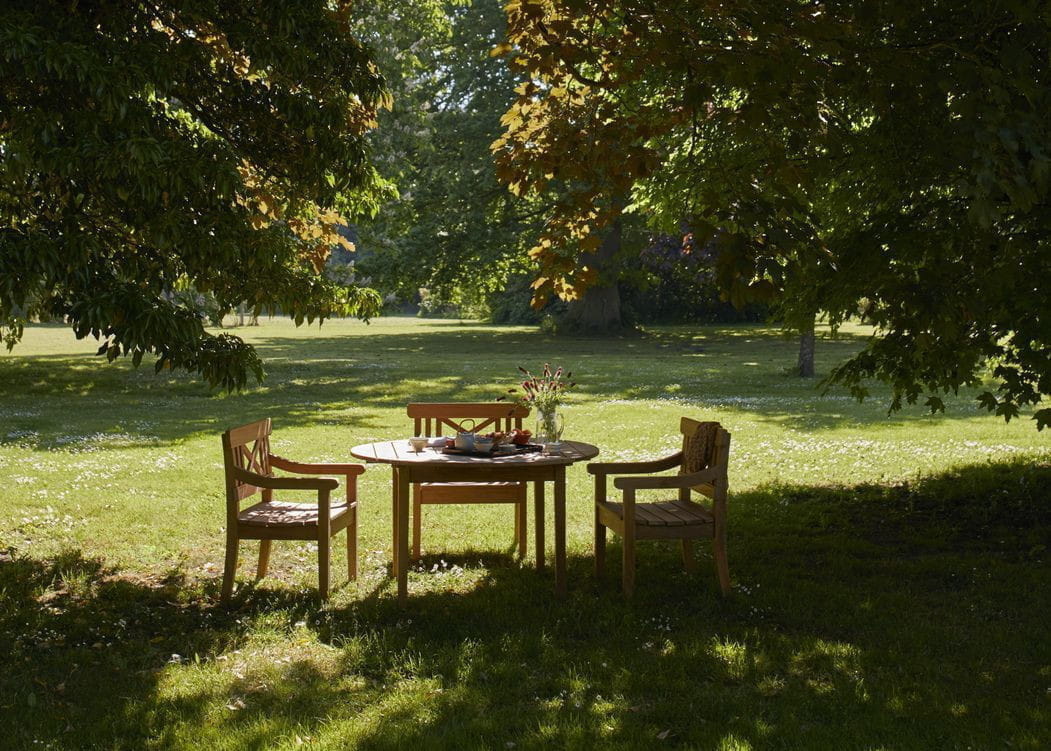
(286, 513)
(665, 513)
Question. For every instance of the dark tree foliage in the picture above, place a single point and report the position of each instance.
(673, 280)
(889, 160)
(149, 147)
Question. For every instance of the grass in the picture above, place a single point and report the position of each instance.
(891, 575)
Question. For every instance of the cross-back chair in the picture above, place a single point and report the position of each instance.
(434, 419)
(250, 470)
(702, 464)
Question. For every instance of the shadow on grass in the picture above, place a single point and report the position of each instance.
(896, 616)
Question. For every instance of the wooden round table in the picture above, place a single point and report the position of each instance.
(431, 465)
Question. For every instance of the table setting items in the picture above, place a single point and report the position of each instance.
(496, 443)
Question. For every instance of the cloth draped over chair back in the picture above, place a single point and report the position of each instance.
(698, 451)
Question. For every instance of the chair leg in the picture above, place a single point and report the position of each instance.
(521, 527)
(324, 544)
(722, 567)
(517, 520)
(230, 566)
(688, 561)
(417, 523)
(600, 546)
(628, 574)
(352, 545)
(394, 520)
(264, 559)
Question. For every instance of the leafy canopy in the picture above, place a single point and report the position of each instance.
(453, 228)
(150, 147)
(890, 160)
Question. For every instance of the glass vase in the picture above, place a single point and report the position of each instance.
(549, 426)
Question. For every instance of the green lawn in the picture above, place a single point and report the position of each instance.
(891, 577)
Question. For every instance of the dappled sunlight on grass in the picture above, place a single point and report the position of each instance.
(890, 575)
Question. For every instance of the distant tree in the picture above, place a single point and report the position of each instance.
(453, 229)
(151, 146)
(672, 280)
(890, 161)
(598, 310)
(805, 360)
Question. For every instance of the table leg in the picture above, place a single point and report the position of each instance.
(403, 534)
(538, 513)
(394, 519)
(560, 530)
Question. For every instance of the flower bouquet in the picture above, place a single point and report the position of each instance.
(545, 393)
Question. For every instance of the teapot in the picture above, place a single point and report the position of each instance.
(465, 438)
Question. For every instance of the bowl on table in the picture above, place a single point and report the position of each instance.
(483, 443)
(418, 443)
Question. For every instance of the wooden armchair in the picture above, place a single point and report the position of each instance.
(249, 469)
(702, 466)
(435, 419)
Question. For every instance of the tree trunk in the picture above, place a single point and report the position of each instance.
(805, 363)
(598, 310)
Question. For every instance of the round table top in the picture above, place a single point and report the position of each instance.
(400, 452)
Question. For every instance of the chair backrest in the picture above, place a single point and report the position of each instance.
(434, 418)
(704, 445)
(248, 448)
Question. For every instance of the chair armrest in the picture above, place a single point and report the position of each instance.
(288, 465)
(285, 483)
(709, 475)
(635, 468)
